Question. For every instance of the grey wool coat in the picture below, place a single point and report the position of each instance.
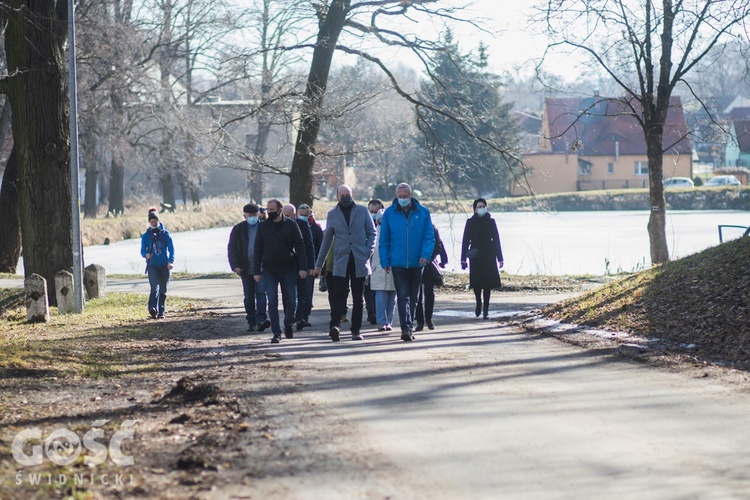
(357, 237)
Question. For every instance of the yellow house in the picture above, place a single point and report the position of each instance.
(597, 143)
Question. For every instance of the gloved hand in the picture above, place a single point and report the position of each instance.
(464, 265)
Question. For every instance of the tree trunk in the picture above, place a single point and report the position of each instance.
(657, 222)
(10, 225)
(91, 202)
(41, 137)
(300, 177)
(167, 189)
(116, 190)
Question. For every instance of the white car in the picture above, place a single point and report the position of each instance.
(723, 180)
(678, 182)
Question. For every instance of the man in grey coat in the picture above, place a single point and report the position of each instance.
(352, 226)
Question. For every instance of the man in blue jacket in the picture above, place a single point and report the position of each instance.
(158, 250)
(405, 247)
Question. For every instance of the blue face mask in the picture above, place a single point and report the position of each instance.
(252, 220)
(303, 217)
(481, 212)
(404, 202)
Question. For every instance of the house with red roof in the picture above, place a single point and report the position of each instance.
(597, 143)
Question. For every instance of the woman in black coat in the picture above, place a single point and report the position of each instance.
(481, 245)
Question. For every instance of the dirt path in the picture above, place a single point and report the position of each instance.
(474, 409)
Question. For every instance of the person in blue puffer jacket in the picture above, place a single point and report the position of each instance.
(405, 247)
(158, 250)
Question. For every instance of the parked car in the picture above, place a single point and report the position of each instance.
(678, 182)
(723, 180)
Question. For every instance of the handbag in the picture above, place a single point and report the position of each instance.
(437, 273)
(472, 253)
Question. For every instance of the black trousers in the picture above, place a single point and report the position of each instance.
(369, 302)
(426, 301)
(339, 290)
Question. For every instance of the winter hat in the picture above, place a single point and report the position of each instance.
(250, 208)
(152, 214)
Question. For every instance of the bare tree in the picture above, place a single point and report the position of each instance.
(363, 28)
(647, 48)
(35, 86)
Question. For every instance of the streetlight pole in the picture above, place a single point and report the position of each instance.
(75, 199)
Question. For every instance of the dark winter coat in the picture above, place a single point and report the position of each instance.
(279, 247)
(481, 233)
(237, 248)
(306, 232)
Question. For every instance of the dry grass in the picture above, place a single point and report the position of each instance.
(92, 344)
(699, 300)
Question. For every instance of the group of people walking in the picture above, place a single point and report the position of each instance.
(387, 257)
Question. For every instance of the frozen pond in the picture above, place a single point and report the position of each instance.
(533, 243)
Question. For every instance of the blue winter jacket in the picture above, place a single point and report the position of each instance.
(162, 252)
(404, 240)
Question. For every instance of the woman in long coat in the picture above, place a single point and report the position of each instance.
(481, 245)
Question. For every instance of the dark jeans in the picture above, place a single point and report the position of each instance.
(255, 300)
(407, 281)
(158, 278)
(339, 290)
(288, 282)
(426, 296)
(305, 290)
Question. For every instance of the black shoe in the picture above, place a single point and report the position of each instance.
(372, 319)
(478, 310)
(334, 333)
(160, 316)
(344, 319)
(383, 328)
(263, 326)
(275, 339)
(288, 333)
(419, 328)
(429, 324)
(486, 316)
(152, 312)
(407, 336)
(250, 328)
(357, 336)
(301, 324)
(307, 323)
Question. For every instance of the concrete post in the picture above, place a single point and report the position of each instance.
(37, 304)
(95, 279)
(64, 292)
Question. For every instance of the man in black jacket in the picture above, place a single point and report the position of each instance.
(241, 254)
(290, 211)
(280, 250)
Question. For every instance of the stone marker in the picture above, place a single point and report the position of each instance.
(95, 281)
(37, 305)
(64, 292)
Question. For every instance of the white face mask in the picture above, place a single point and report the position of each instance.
(481, 212)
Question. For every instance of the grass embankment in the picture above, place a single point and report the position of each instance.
(702, 301)
(96, 343)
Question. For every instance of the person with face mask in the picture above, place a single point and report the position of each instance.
(279, 259)
(241, 253)
(481, 245)
(352, 227)
(376, 208)
(406, 242)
